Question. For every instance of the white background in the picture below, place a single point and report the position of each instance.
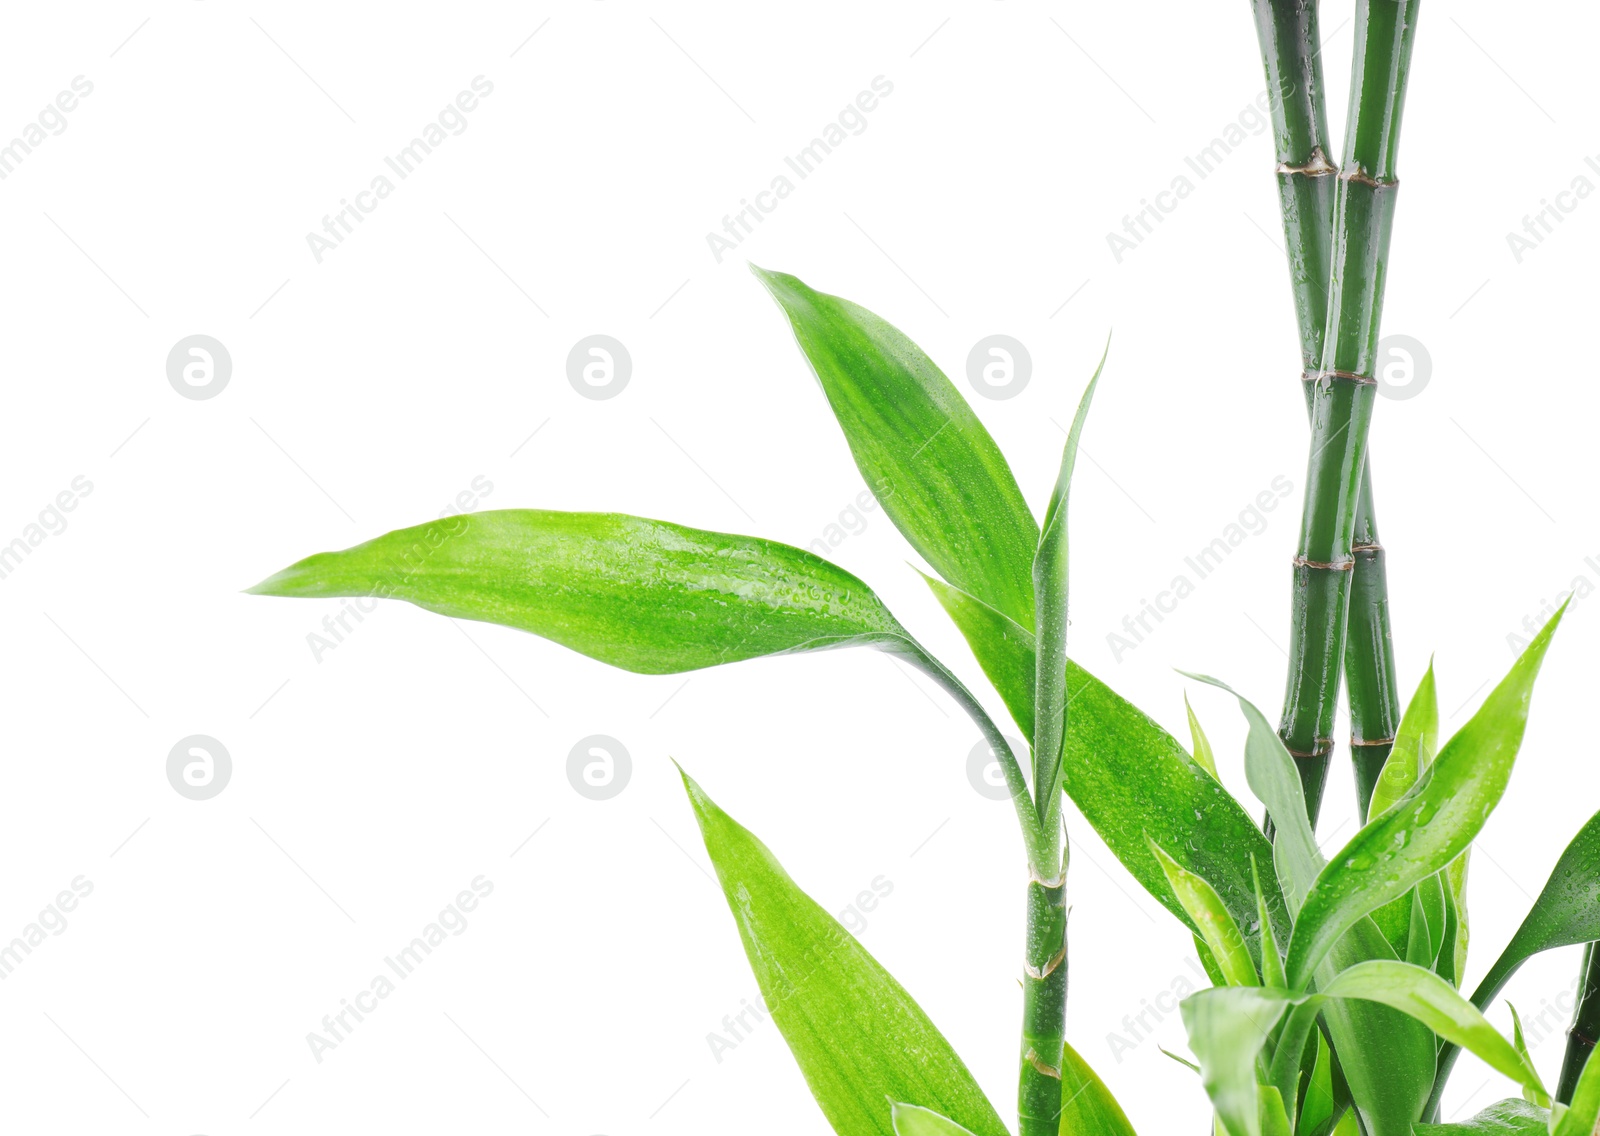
(369, 389)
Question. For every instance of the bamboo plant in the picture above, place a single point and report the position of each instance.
(1336, 1004)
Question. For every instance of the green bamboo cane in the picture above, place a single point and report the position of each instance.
(1341, 390)
(1291, 51)
(1044, 1007)
(1585, 1029)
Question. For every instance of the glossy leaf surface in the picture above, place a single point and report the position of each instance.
(909, 1120)
(1511, 1117)
(858, 1037)
(923, 452)
(1430, 826)
(1087, 1106)
(1217, 927)
(1132, 780)
(647, 596)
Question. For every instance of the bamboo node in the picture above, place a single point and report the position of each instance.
(1347, 376)
(1337, 566)
(1355, 741)
(1373, 546)
(1361, 177)
(1039, 975)
(1321, 747)
(1051, 884)
(1317, 165)
(1039, 1066)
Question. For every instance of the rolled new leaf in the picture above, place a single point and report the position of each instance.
(1430, 826)
(1050, 621)
(924, 453)
(860, 1040)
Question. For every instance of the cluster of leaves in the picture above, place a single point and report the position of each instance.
(1289, 1041)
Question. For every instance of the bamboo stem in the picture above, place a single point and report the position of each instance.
(1291, 47)
(1341, 391)
(1044, 1007)
(1585, 1029)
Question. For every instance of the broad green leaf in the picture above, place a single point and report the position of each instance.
(1511, 1117)
(1429, 827)
(1087, 1106)
(1050, 575)
(1273, 778)
(1415, 743)
(1217, 927)
(1130, 778)
(1567, 911)
(646, 596)
(1582, 1117)
(1274, 1119)
(924, 453)
(1348, 1125)
(909, 1120)
(1385, 1056)
(1271, 959)
(856, 1034)
(1434, 1002)
(1003, 648)
(1227, 1027)
(1202, 744)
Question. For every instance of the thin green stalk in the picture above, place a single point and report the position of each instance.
(1044, 1006)
(1585, 1029)
(1291, 51)
(1341, 390)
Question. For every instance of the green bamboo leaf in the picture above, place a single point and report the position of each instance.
(1425, 996)
(1455, 877)
(1087, 1106)
(1217, 927)
(909, 1120)
(1050, 574)
(1567, 911)
(857, 1036)
(647, 596)
(1131, 779)
(1003, 648)
(1416, 740)
(1202, 744)
(1511, 1117)
(928, 459)
(1430, 826)
(1274, 1119)
(1227, 1026)
(1273, 778)
(1386, 1056)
